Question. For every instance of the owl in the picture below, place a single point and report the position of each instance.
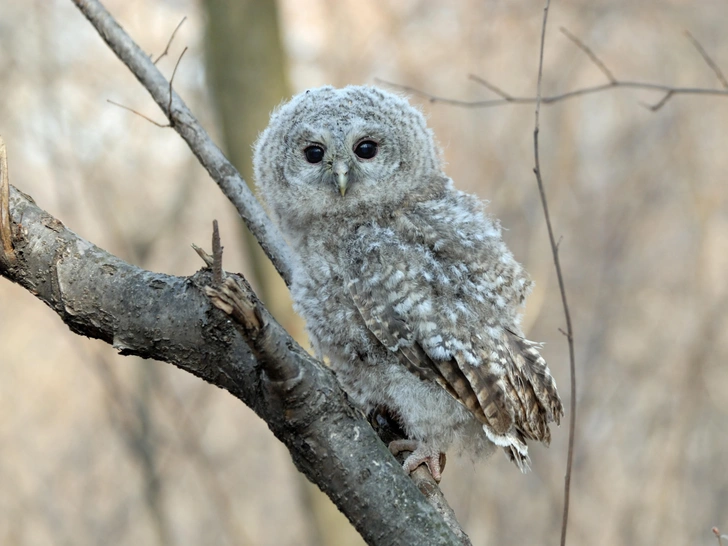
(404, 282)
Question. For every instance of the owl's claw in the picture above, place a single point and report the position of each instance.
(421, 453)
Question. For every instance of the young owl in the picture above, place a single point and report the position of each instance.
(405, 284)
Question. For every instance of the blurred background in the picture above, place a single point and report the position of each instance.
(101, 449)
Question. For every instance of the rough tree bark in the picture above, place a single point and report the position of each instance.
(153, 315)
(169, 318)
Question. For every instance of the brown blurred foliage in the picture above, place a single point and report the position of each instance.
(102, 449)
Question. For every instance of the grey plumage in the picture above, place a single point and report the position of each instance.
(405, 284)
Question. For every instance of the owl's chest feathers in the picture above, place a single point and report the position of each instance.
(434, 269)
(441, 262)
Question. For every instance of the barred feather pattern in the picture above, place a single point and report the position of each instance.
(405, 283)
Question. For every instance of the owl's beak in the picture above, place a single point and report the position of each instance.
(341, 170)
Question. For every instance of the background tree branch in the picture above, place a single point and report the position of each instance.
(559, 273)
(668, 91)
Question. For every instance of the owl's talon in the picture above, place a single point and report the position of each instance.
(422, 453)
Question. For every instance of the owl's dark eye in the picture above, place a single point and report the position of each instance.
(366, 149)
(314, 154)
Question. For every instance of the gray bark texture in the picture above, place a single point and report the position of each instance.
(153, 315)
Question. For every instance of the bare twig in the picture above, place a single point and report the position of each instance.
(506, 98)
(203, 255)
(171, 82)
(485, 83)
(169, 103)
(704, 54)
(589, 53)
(660, 103)
(562, 288)
(551, 99)
(216, 255)
(6, 235)
(150, 120)
(171, 39)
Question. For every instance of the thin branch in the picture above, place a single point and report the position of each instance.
(7, 253)
(562, 288)
(217, 273)
(182, 120)
(551, 99)
(204, 256)
(704, 54)
(506, 98)
(592, 56)
(150, 120)
(171, 82)
(485, 83)
(659, 104)
(169, 103)
(171, 39)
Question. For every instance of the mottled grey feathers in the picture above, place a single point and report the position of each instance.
(404, 282)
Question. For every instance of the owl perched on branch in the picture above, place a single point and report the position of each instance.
(405, 284)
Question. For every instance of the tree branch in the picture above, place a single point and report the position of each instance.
(7, 253)
(182, 121)
(557, 265)
(505, 98)
(169, 318)
(708, 60)
(235, 297)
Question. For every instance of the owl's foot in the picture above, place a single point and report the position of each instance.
(421, 453)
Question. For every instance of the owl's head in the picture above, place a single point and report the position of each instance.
(331, 152)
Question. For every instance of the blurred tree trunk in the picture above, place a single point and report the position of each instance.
(247, 73)
(246, 70)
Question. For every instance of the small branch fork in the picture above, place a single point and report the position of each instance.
(169, 43)
(557, 265)
(505, 98)
(171, 81)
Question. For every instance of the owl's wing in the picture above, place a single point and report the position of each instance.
(505, 383)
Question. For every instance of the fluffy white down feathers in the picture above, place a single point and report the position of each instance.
(405, 284)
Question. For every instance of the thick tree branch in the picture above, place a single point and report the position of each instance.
(169, 318)
(182, 121)
(235, 297)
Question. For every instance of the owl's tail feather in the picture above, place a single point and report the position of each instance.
(535, 389)
(522, 461)
(514, 446)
